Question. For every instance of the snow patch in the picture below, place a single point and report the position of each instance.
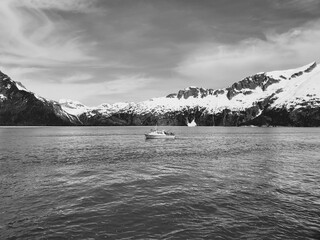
(3, 98)
(73, 107)
(21, 87)
(40, 98)
(299, 89)
(288, 74)
(192, 123)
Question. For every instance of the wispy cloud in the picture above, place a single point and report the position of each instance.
(77, 78)
(32, 36)
(125, 84)
(62, 5)
(94, 93)
(221, 63)
(22, 73)
(311, 6)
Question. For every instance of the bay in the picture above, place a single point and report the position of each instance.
(111, 183)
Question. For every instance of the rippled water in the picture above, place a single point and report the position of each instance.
(111, 183)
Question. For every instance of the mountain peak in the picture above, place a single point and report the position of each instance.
(9, 83)
(311, 66)
(71, 102)
(292, 73)
(192, 91)
(20, 86)
(73, 107)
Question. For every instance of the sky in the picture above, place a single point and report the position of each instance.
(107, 51)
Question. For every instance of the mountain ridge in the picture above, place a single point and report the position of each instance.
(278, 98)
(19, 106)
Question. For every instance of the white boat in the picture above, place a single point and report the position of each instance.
(159, 134)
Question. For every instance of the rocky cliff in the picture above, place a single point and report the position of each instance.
(18, 106)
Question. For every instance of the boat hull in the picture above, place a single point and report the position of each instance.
(151, 136)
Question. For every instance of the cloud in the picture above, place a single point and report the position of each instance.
(221, 64)
(62, 5)
(34, 37)
(311, 6)
(125, 84)
(94, 93)
(23, 73)
(19, 71)
(77, 78)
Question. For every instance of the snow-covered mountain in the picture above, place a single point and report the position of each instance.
(288, 90)
(290, 98)
(19, 106)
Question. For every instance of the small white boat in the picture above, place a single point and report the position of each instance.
(159, 134)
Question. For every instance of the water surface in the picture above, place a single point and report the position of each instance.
(111, 183)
